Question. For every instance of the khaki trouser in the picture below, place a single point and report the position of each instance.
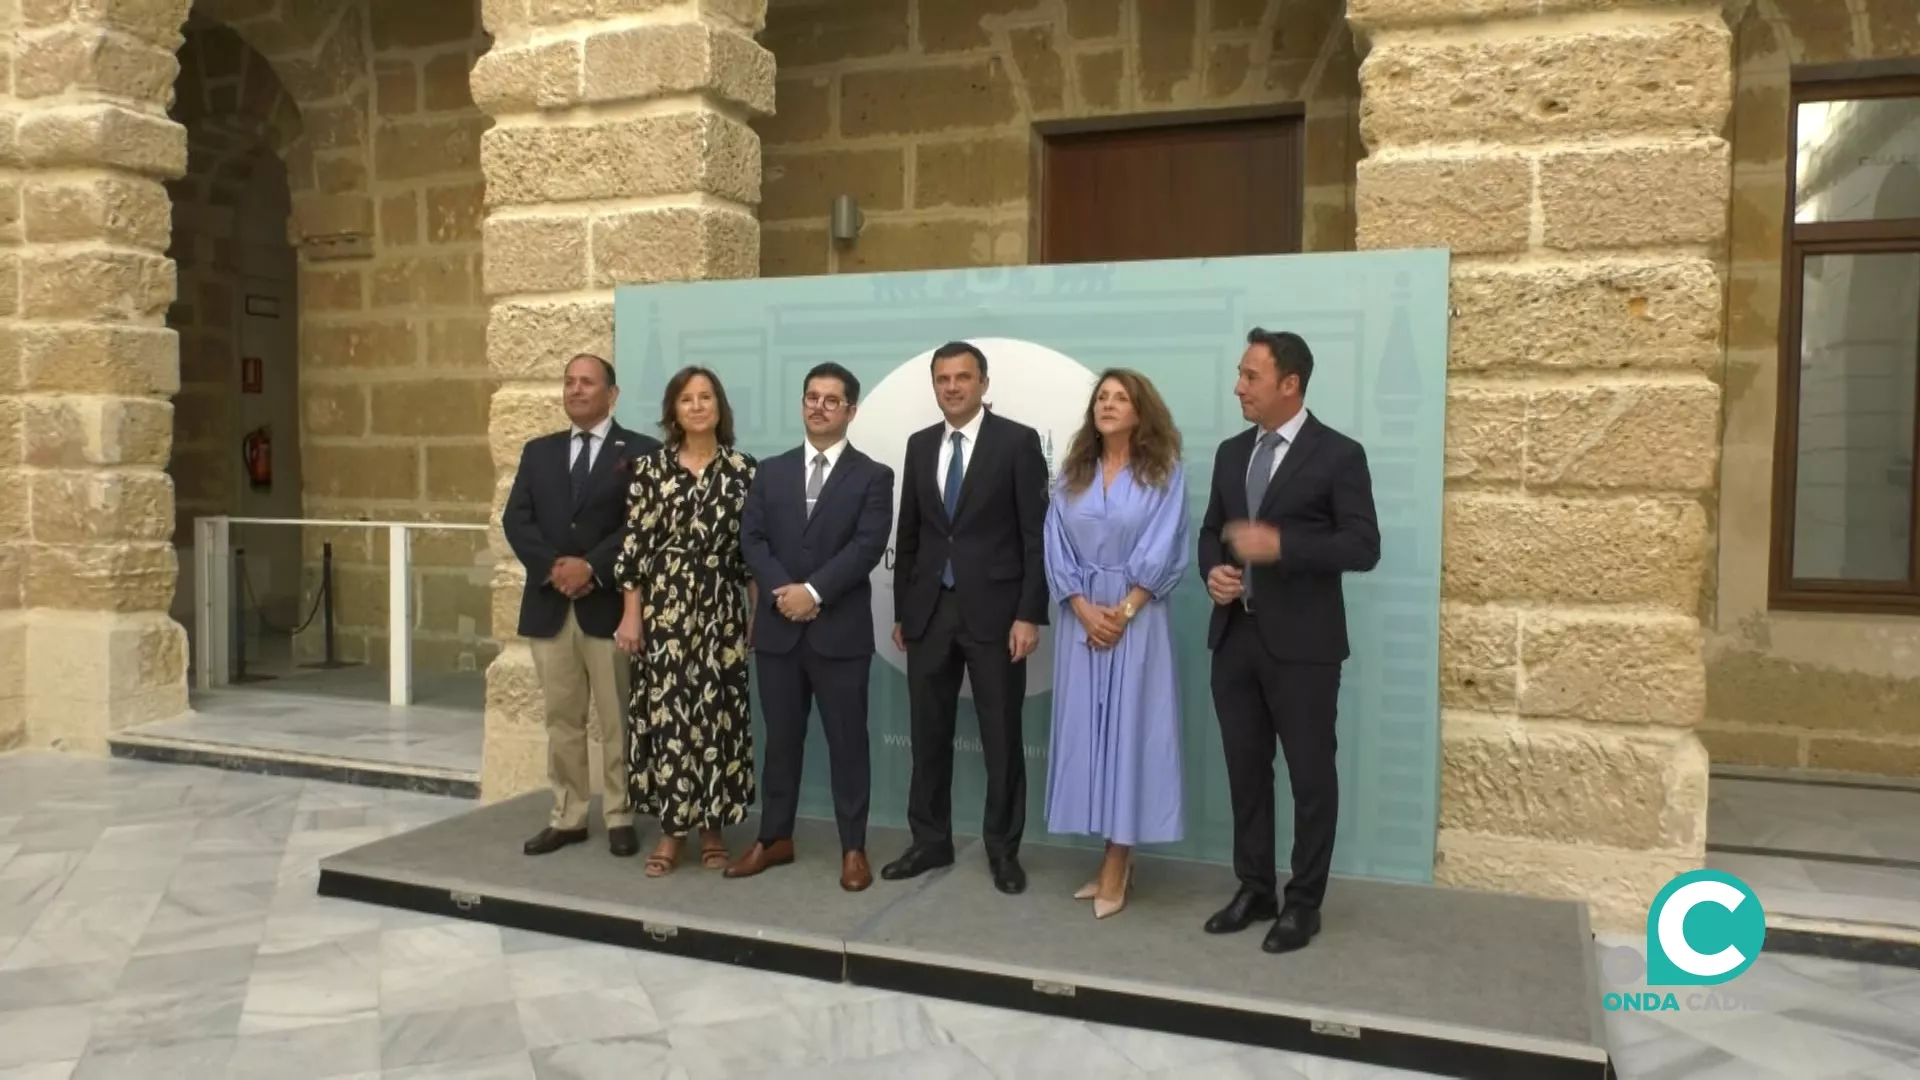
(576, 670)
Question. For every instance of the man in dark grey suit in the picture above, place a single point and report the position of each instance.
(564, 520)
(814, 527)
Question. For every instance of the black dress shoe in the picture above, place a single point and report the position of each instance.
(918, 860)
(1292, 930)
(1246, 908)
(550, 840)
(1008, 877)
(623, 841)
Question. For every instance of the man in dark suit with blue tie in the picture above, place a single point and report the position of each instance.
(564, 519)
(814, 527)
(1290, 512)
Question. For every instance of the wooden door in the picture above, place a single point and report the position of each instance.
(1196, 190)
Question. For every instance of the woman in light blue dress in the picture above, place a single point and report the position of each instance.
(1116, 547)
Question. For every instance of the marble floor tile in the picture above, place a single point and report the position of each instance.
(228, 966)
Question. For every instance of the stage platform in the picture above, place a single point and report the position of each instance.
(1436, 980)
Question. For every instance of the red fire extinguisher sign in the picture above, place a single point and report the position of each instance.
(250, 375)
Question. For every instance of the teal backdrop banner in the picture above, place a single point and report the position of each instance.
(1377, 324)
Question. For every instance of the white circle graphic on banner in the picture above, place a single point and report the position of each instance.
(1027, 382)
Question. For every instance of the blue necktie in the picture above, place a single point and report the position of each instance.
(581, 466)
(956, 469)
(1258, 475)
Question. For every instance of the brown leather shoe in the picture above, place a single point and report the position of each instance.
(855, 875)
(761, 856)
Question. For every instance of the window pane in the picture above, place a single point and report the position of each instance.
(1858, 160)
(1853, 494)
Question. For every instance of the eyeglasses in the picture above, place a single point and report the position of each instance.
(825, 404)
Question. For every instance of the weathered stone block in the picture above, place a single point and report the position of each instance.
(509, 579)
(527, 79)
(674, 244)
(1475, 204)
(1583, 551)
(332, 410)
(1572, 785)
(926, 98)
(323, 291)
(1630, 669)
(123, 577)
(101, 507)
(1486, 435)
(436, 408)
(1752, 689)
(94, 358)
(803, 112)
(450, 279)
(64, 432)
(792, 252)
(16, 506)
(396, 86)
(416, 149)
(119, 209)
(445, 83)
(360, 346)
(1479, 657)
(455, 213)
(677, 153)
(1638, 197)
(936, 244)
(980, 173)
(1740, 746)
(1649, 436)
(545, 253)
(1586, 315)
(1100, 78)
(400, 220)
(1386, 14)
(802, 35)
(102, 134)
(355, 471)
(457, 344)
(320, 217)
(1652, 74)
(1616, 885)
(665, 59)
(98, 284)
(804, 185)
(519, 413)
(88, 60)
(1164, 38)
(119, 669)
(459, 474)
(533, 340)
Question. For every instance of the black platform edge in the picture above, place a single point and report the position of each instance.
(239, 759)
(1389, 1049)
(740, 950)
(1858, 948)
(1425, 1053)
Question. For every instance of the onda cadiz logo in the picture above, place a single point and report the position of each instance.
(1703, 929)
(1041, 388)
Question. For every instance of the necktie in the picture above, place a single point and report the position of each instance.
(956, 470)
(1258, 475)
(815, 480)
(582, 464)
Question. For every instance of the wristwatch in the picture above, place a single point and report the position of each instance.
(1127, 609)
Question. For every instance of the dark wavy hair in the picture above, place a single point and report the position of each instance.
(1155, 445)
(670, 422)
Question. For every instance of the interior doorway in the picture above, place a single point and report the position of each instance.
(1194, 188)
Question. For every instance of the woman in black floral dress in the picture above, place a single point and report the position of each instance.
(688, 605)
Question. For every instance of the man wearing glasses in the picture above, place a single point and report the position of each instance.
(815, 525)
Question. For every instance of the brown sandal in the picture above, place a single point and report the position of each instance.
(713, 851)
(665, 857)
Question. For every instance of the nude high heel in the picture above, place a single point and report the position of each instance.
(1104, 908)
(1089, 890)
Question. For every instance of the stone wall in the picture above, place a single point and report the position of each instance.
(621, 153)
(1573, 159)
(86, 369)
(394, 385)
(1785, 688)
(923, 110)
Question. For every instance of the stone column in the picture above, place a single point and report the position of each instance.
(86, 510)
(1569, 152)
(620, 153)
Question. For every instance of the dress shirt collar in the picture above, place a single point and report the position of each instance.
(971, 431)
(599, 430)
(833, 454)
(1290, 430)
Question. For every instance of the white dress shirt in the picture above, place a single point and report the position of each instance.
(969, 438)
(806, 477)
(594, 445)
(1289, 432)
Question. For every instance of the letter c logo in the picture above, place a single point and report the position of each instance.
(1741, 925)
(1673, 933)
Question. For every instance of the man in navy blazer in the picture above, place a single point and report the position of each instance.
(815, 525)
(564, 519)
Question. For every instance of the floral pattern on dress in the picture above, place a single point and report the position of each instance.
(690, 747)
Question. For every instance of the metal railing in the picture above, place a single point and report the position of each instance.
(214, 630)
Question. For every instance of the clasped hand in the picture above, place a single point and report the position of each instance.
(796, 603)
(1103, 624)
(572, 575)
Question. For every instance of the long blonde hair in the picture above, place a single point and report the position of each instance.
(1154, 445)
